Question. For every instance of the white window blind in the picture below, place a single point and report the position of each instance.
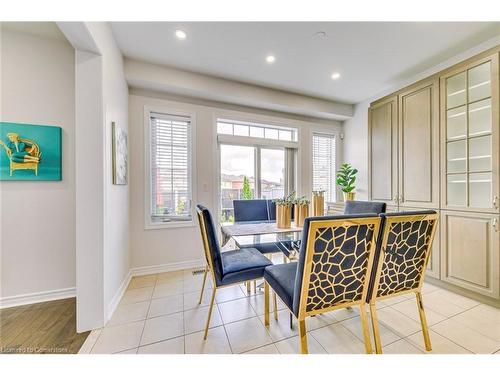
(323, 151)
(170, 167)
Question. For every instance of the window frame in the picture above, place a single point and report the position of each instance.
(336, 136)
(149, 224)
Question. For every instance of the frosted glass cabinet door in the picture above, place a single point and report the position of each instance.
(456, 92)
(479, 83)
(470, 136)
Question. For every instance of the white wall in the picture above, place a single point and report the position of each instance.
(356, 128)
(182, 247)
(38, 218)
(116, 197)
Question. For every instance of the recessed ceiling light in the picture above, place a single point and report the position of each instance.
(335, 75)
(270, 59)
(180, 34)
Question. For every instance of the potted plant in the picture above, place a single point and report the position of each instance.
(318, 203)
(284, 211)
(346, 177)
(301, 207)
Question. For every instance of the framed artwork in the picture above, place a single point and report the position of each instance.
(120, 155)
(30, 152)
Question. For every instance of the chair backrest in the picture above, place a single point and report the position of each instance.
(403, 250)
(335, 262)
(250, 210)
(363, 207)
(271, 209)
(210, 242)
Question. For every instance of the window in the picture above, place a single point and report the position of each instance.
(323, 158)
(170, 168)
(256, 130)
(252, 168)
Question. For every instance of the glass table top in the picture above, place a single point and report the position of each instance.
(287, 242)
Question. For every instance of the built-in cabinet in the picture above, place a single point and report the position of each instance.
(435, 145)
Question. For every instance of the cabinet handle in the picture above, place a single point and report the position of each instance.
(494, 224)
(401, 199)
(495, 201)
(395, 200)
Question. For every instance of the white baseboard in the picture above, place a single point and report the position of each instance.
(27, 299)
(117, 297)
(148, 270)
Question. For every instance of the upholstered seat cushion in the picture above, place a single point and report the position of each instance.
(265, 248)
(281, 278)
(241, 265)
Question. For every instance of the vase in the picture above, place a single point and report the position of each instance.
(318, 203)
(349, 196)
(300, 214)
(283, 216)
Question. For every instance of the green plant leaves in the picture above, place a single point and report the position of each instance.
(346, 177)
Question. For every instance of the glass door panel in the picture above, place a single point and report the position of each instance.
(456, 93)
(272, 168)
(456, 157)
(237, 177)
(480, 190)
(479, 82)
(457, 123)
(480, 154)
(480, 118)
(457, 190)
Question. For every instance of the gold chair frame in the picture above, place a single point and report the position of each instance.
(417, 290)
(33, 150)
(210, 268)
(361, 302)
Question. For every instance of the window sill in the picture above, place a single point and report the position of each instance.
(169, 225)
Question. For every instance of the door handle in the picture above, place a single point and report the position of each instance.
(495, 201)
(494, 224)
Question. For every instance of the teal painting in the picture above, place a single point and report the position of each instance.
(30, 152)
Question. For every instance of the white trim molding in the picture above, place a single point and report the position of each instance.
(28, 299)
(169, 267)
(113, 304)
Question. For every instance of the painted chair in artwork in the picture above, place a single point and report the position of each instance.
(333, 270)
(403, 251)
(226, 268)
(32, 149)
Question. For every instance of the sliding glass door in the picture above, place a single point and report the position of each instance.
(249, 172)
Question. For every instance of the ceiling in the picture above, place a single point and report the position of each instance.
(370, 56)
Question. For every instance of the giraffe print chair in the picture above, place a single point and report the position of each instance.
(403, 251)
(333, 270)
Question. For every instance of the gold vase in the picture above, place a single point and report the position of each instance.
(300, 214)
(318, 202)
(349, 196)
(283, 216)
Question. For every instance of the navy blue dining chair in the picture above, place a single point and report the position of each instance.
(229, 267)
(403, 251)
(333, 270)
(364, 207)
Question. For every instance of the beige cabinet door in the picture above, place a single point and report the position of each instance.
(470, 148)
(470, 251)
(383, 150)
(418, 130)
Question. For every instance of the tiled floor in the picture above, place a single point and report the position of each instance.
(160, 314)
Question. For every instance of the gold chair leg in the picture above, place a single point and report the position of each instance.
(366, 331)
(203, 285)
(303, 337)
(423, 322)
(266, 304)
(248, 287)
(255, 287)
(275, 306)
(209, 313)
(376, 332)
